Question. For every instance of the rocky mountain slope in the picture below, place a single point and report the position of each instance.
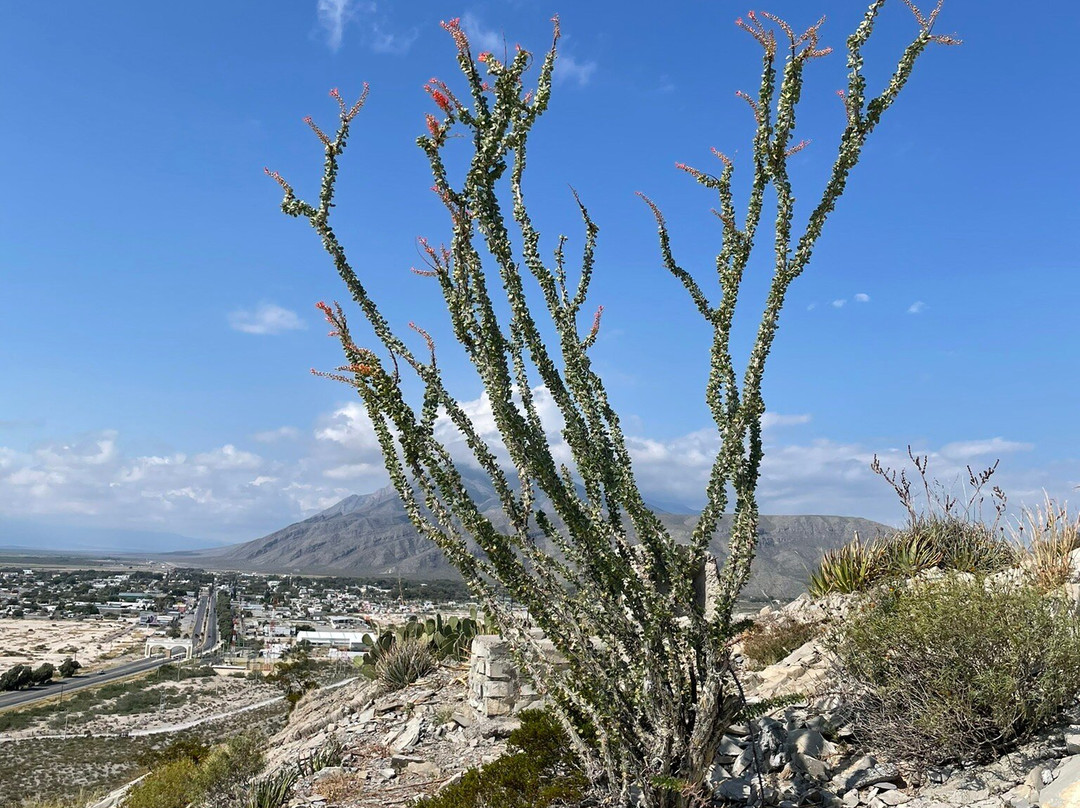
(370, 535)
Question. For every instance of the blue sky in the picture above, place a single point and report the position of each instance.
(157, 316)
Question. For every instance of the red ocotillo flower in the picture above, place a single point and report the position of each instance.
(454, 27)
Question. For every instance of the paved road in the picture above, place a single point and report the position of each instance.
(204, 627)
(52, 691)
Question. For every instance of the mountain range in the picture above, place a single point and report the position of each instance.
(370, 535)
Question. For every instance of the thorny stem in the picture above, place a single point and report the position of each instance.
(647, 665)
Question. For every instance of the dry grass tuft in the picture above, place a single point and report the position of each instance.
(1047, 535)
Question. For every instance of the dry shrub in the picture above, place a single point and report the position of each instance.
(957, 669)
(767, 643)
(340, 786)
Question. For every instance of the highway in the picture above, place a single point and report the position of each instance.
(70, 685)
(203, 637)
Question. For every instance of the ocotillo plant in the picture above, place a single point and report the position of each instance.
(647, 690)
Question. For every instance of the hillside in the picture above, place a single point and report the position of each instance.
(370, 535)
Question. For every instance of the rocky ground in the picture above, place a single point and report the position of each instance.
(399, 746)
(395, 747)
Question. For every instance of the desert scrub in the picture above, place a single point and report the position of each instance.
(948, 534)
(539, 769)
(768, 642)
(83, 797)
(218, 775)
(957, 669)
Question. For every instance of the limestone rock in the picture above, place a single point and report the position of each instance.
(1064, 792)
(866, 771)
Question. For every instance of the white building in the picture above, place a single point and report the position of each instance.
(342, 640)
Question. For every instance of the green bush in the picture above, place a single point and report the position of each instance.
(538, 770)
(196, 775)
(767, 643)
(956, 669)
(173, 785)
(177, 749)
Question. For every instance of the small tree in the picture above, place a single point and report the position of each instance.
(68, 667)
(17, 678)
(648, 690)
(43, 673)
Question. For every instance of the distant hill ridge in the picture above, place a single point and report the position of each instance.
(370, 534)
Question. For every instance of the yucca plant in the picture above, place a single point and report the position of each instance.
(648, 665)
(403, 664)
(327, 755)
(272, 791)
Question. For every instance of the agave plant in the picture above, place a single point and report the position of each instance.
(908, 553)
(847, 569)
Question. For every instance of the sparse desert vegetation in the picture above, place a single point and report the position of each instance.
(92, 642)
(58, 768)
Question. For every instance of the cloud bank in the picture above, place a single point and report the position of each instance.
(235, 493)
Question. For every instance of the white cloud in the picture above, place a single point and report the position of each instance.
(336, 15)
(839, 304)
(918, 307)
(482, 38)
(353, 471)
(233, 494)
(225, 492)
(862, 297)
(333, 17)
(227, 457)
(282, 433)
(568, 68)
(350, 428)
(970, 449)
(266, 318)
(771, 420)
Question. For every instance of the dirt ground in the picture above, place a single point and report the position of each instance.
(91, 642)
